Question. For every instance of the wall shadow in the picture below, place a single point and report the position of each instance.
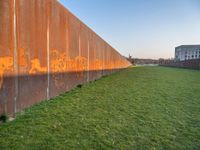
(32, 89)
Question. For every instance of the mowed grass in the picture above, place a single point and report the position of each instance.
(137, 108)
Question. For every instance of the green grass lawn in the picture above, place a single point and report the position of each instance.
(137, 108)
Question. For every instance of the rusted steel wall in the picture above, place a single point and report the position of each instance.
(45, 50)
(190, 64)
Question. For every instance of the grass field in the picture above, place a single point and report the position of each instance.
(137, 108)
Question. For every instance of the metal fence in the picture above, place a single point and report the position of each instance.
(45, 50)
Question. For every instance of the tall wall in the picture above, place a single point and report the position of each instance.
(45, 50)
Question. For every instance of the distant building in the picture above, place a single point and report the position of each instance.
(187, 52)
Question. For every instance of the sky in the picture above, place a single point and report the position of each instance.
(141, 28)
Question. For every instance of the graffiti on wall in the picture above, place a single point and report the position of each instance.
(6, 64)
(59, 62)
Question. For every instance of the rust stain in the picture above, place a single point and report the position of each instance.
(58, 62)
(6, 64)
(23, 58)
(81, 63)
(97, 64)
(36, 67)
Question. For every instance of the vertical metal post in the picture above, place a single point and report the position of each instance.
(48, 55)
(15, 56)
(88, 60)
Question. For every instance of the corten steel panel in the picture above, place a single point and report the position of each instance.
(83, 53)
(105, 59)
(58, 49)
(46, 52)
(7, 69)
(112, 60)
(109, 60)
(95, 59)
(99, 57)
(32, 51)
(92, 57)
(75, 76)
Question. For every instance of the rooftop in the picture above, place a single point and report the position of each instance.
(188, 46)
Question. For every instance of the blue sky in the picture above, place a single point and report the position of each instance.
(142, 28)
